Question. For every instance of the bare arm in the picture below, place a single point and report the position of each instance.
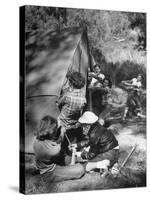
(95, 76)
(61, 101)
(91, 154)
(127, 82)
(83, 143)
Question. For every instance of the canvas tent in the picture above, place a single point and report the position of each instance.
(49, 56)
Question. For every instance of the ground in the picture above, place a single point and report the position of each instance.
(131, 133)
(133, 174)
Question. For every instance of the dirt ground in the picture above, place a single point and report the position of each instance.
(133, 174)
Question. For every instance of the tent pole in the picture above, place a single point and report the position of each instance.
(90, 100)
(90, 65)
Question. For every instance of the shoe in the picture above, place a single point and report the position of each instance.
(115, 170)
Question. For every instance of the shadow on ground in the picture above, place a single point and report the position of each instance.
(14, 188)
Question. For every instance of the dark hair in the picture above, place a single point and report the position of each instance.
(96, 65)
(47, 128)
(76, 79)
(109, 82)
(139, 75)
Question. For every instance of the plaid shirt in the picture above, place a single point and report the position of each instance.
(71, 106)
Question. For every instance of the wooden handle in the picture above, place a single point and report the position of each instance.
(128, 156)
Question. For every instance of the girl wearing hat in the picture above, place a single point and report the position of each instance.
(102, 142)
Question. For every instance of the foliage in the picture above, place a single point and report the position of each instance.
(106, 30)
(101, 25)
(139, 20)
(40, 17)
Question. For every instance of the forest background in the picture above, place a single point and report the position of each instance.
(117, 39)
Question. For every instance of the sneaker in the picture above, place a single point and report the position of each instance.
(115, 169)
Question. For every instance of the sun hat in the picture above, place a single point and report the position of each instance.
(88, 117)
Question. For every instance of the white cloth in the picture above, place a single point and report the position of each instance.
(136, 83)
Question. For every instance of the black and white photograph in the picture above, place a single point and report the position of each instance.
(83, 99)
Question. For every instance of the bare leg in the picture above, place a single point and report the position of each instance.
(61, 136)
(125, 113)
(104, 164)
(141, 115)
(90, 166)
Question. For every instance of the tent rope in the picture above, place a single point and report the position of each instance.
(45, 95)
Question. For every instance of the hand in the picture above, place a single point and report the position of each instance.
(101, 121)
(78, 153)
(84, 154)
(87, 148)
(72, 147)
(91, 73)
(56, 103)
(103, 172)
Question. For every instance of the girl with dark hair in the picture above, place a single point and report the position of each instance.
(47, 149)
(103, 144)
(71, 104)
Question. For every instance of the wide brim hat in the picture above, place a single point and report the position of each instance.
(88, 117)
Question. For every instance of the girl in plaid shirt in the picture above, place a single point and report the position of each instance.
(72, 103)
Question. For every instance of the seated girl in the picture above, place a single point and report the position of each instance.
(103, 144)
